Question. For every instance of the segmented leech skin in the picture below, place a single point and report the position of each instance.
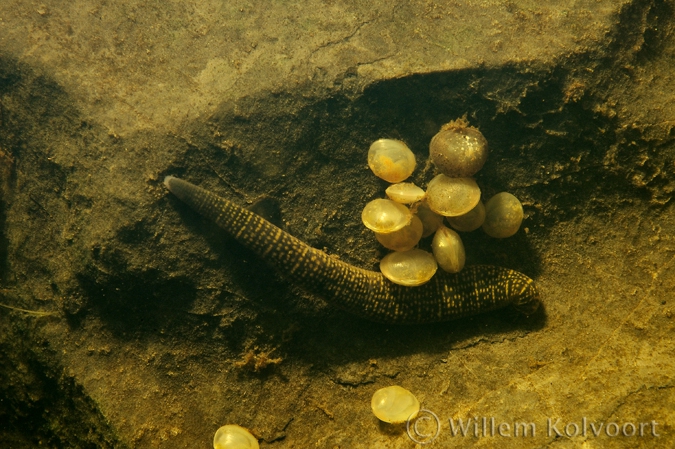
(365, 293)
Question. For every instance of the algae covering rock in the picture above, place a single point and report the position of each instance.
(124, 314)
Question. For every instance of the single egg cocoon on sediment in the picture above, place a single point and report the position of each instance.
(391, 160)
(405, 238)
(410, 268)
(470, 221)
(448, 250)
(394, 404)
(503, 215)
(385, 216)
(451, 197)
(232, 436)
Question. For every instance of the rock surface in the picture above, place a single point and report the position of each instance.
(128, 321)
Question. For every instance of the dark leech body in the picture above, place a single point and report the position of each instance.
(365, 293)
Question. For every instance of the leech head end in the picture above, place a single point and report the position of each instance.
(167, 181)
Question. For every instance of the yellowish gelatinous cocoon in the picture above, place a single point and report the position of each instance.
(405, 238)
(391, 160)
(430, 219)
(385, 216)
(409, 268)
(448, 250)
(503, 215)
(451, 197)
(458, 150)
(232, 436)
(471, 220)
(405, 193)
(394, 404)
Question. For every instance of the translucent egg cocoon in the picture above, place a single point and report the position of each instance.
(503, 215)
(448, 250)
(409, 268)
(232, 436)
(458, 150)
(471, 220)
(394, 404)
(385, 216)
(391, 160)
(405, 238)
(451, 197)
(430, 219)
(405, 193)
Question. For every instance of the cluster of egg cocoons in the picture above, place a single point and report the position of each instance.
(409, 214)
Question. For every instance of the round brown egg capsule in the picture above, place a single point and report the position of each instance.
(394, 404)
(385, 216)
(503, 215)
(471, 220)
(448, 250)
(232, 436)
(451, 197)
(391, 160)
(405, 238)
(458, 150)
(409, 268)
(405, 193)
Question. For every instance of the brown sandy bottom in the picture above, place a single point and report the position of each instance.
(133, 322)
